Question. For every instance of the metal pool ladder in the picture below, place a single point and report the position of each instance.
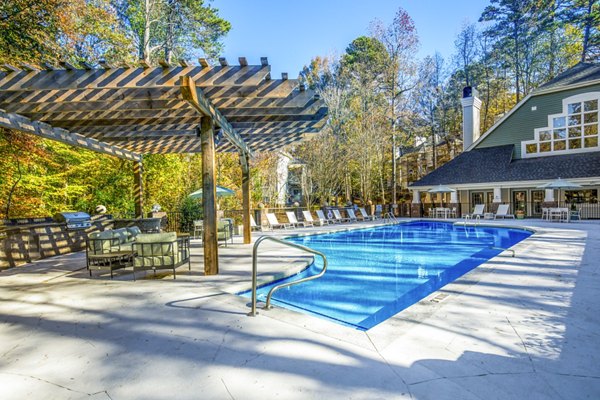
(275, 288)
(389, 218)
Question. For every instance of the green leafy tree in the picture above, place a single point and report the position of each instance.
(172, 29)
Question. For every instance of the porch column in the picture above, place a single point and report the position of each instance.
(497, 195)
(209, 195)
(454, 197)
(138, 190)
(415, 207)
(416, 197)
(246, 197)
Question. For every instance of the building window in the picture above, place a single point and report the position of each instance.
(575, 130)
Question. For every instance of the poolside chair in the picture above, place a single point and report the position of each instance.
(477, 211)
(366, 216)
(322, 218)
(338, 217)
(273, 223)
(224, 231)
(503, 212)
(253, 224)
(309, 218)
(351, 215)
(293, 220)
(198, 228)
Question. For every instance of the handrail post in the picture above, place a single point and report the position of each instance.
(254, 275)
(253, 312)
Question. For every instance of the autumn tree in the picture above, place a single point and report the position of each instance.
(401, 42)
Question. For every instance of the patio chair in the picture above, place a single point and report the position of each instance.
(545, 213)
(309, 218)
(322, 218)
(366, 216)
(224, 231)
(293, 220)
(160, 251)
(253, 224)
(198, 228)
(274, 223)
(503, 212)
(351, 215)
(338, 217)
(477, 211)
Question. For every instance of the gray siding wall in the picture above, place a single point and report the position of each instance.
(520, 125)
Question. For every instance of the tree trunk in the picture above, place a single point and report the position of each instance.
(145, 48)
(586, 31)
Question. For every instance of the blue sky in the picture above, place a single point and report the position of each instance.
(290, 32)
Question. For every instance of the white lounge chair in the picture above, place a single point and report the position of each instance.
(273, 223)
(293, 220)
(477, 211)
(351, 215)
(338, 217)
(503, 212)
(253, 224)
(366, 216)
(309, 219)
(323, 219)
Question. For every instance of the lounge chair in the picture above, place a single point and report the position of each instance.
(366, 216)
(294, 221)
(503, 212)
(351, 215)
(309, 218)
(322, 218)
(273, 223)
(477, 211)
(338, 217)
(253, 224)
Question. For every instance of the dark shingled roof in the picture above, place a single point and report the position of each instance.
(495, 164)
(582, 72)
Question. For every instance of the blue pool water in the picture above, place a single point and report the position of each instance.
(375, 273)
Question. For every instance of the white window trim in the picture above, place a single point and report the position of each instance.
(549, 127)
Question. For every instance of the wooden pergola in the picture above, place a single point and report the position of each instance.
(128, 111)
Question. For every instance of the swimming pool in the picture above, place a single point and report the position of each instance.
(375, 273)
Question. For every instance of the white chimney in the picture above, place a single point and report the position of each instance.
(471, 107)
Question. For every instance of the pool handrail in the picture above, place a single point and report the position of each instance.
(389, 218)
(275, 288)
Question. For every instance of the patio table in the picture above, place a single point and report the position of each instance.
(442, 212)
(560, 214)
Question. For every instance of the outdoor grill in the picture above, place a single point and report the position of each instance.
(74, 220)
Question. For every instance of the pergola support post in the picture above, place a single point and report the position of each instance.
(209, 195)
(246, 197)
(138, 170)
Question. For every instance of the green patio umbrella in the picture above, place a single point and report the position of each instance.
(221, 192)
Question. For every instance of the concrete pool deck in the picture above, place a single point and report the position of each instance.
(513, 328)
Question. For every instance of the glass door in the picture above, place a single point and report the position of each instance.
(537, 198)
(519, 201)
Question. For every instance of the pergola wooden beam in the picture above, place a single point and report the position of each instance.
(142, 109)
(120, 78)
(270, 88)
(20, 123)
(198, 101)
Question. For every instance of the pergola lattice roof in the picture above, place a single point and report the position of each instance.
(127, 111)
